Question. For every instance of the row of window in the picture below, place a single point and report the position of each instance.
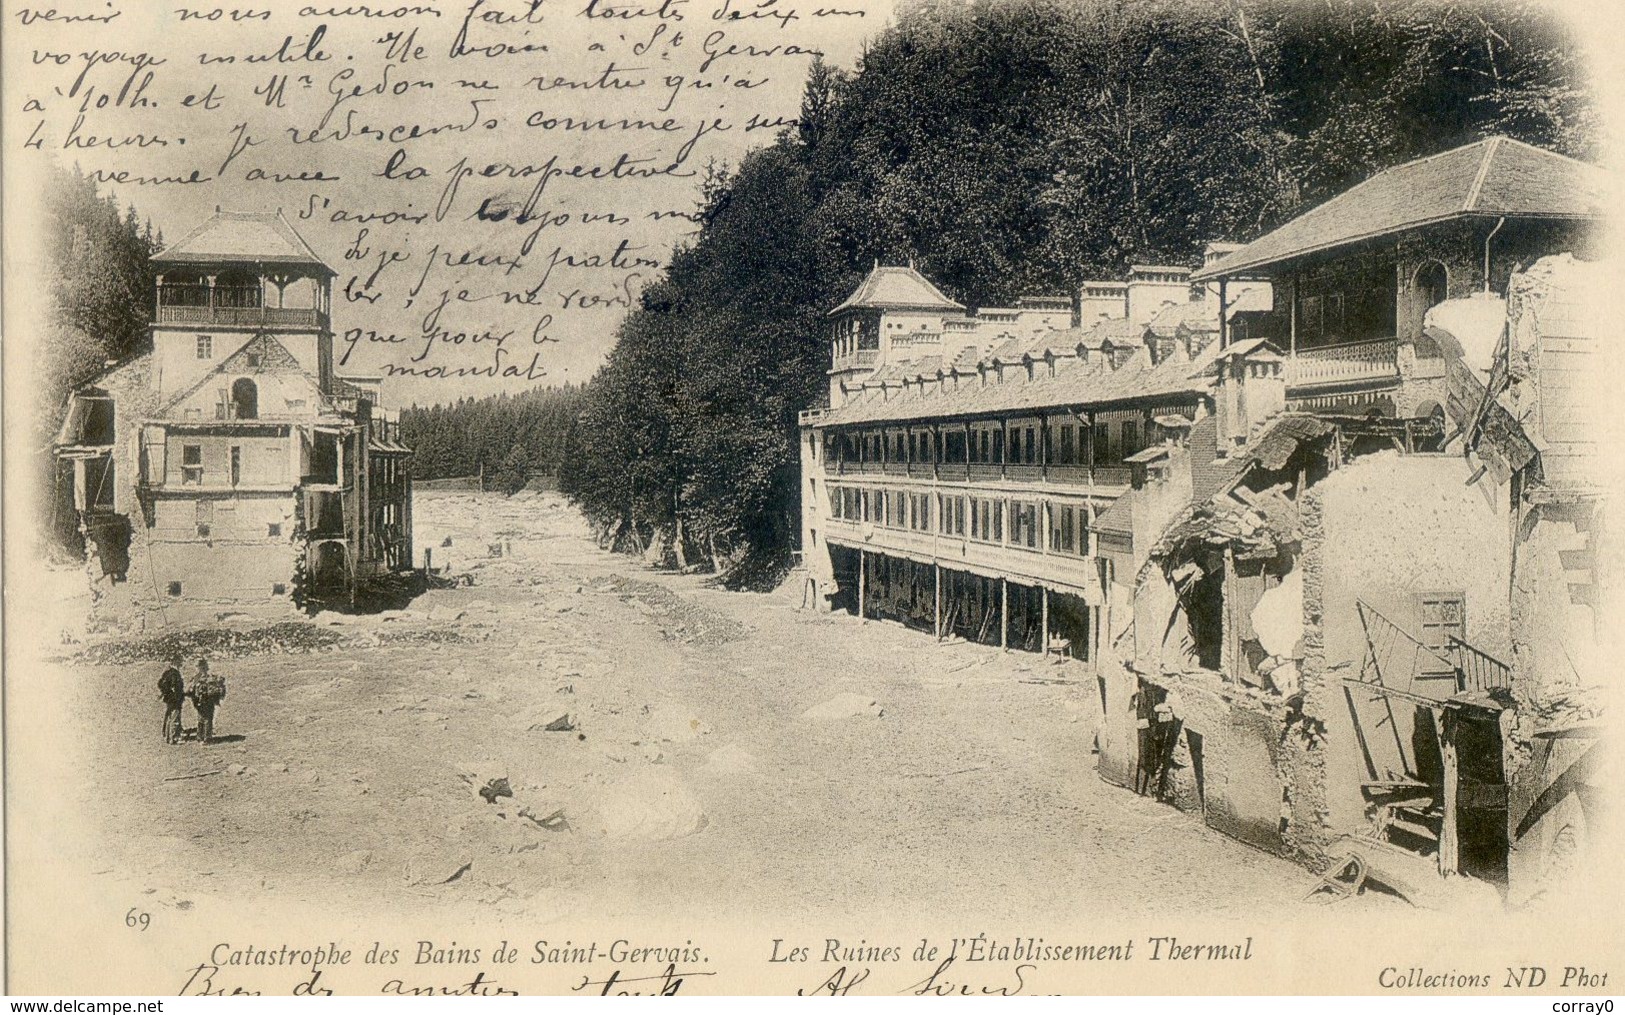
(1062, 444)
(984, 519)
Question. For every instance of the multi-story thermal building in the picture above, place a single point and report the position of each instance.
(227, 468)
(1267, 501)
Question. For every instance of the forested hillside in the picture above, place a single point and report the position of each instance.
(101, 288)
(1013, 148)
(503, 437)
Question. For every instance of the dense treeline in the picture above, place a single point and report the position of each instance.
(503, 438)
(101, 287)
(1011, 148)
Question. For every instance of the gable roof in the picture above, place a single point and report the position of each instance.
(262, 354)
(891, 288)
(1495, 177)
(236, 237)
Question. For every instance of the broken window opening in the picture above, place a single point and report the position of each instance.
(192, 464)
(1203, 602)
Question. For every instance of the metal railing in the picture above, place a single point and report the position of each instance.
(1477, 670)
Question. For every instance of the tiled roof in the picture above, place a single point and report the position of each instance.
(1075, 383)
(1490, 178)
(1118, 330)
(891, 288)
(967, 359)
(1196, 316)
(243, 238)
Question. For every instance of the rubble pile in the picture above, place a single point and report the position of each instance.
(677, 618)
(286, 637)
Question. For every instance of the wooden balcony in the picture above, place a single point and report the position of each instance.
(242, 317)
(979, 473)
(1352, 363)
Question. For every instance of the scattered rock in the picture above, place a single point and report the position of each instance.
(553, 822)
(846, 705)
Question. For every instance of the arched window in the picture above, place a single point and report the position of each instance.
(245, 399)
(1432, 285)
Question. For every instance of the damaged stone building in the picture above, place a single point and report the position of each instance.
(227, 468)
(1284, 506)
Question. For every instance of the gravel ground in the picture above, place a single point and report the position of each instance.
(681, 775)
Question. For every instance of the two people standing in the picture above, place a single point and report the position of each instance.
(208, 690)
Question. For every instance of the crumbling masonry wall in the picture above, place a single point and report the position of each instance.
(1387, 528)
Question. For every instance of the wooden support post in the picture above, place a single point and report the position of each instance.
(1444, 727)
(1004, 613)
(1229, 657)
(936, 623)
(1043, 448)
(1224, 323)
(1089, 425)
(1043, 634)
(863, 581)
(1292, 319)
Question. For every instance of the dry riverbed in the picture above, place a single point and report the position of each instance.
(670, 748)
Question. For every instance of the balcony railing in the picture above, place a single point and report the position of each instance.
(1350, 363)
(981, 472)
(242, 317)
(854, 360)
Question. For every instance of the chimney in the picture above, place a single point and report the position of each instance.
(1251, 389)
(1100, 300)
(1152, 287)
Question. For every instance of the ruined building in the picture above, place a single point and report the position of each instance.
(1264, 501)
(227, 468)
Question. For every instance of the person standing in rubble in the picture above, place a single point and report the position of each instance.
(208, 690)
(172, 689)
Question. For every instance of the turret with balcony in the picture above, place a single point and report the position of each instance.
(892, 309)
(236, 276)
(243, 270)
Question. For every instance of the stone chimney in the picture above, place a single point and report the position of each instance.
(1152, 287)
(1251, 389)
(1101, 301)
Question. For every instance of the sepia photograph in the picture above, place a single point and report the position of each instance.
(850, 497)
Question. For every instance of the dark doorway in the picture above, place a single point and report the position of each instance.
(1432, 286)
(1204, 611)
(245, 399)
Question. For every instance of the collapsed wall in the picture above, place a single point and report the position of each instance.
(1565, 565)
